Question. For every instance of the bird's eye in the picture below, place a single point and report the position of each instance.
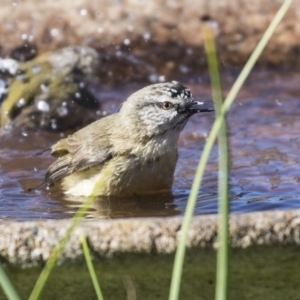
(166, 105)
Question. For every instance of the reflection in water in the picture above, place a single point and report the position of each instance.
(124, 207)
(265, 145)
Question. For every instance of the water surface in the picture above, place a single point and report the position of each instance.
(264, 129)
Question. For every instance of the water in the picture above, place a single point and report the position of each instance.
(264, 129)
(273, 272)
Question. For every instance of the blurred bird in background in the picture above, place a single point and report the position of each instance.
(50, 91)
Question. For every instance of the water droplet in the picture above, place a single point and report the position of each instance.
(130, 28)
(43, 106)
(53, 124)
(36, 70)
(147, 36)
(44, 88)
(77, 95)
(24, 36)
(21, 103)
(54, 32)
(3, 88)
(153, 77)
(2, 84)
(161, 78)
(83, 12)
(35, 169)
(62, 111)
(213, 25)
(189, 51)
(126, 42)
(20, 78)
(183, 69)
(9, 65)
(30, 38)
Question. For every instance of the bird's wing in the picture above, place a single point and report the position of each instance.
(87, 147)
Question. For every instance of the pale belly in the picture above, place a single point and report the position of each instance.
(122, 176)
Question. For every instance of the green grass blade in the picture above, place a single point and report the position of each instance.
(91, 267)
(222, 255)
(7, 286)
(180, 253)
(35, 294)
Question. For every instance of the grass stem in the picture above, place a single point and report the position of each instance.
(7, 286)
(180, 253)
(222, 255)
(39, 285)
(90, 266)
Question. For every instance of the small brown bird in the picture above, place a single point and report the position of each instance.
(133, 151)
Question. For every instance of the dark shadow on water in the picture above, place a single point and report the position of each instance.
(159, 205)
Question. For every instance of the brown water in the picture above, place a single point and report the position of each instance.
(264, 138)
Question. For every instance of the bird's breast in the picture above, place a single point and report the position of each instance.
(146, 168)
(137, 175)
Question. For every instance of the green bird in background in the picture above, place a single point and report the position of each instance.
(49, 92)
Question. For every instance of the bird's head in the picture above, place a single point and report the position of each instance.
(162, 107)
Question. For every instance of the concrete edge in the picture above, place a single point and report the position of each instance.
(30, 243)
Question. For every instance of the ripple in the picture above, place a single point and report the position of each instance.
(265, 160)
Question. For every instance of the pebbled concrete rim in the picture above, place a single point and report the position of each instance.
(29, 244)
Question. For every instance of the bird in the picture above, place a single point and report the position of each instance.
(131, 152)
(50, 91)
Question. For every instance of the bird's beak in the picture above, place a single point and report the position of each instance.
(197, 106)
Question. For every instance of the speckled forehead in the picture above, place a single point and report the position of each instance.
(177, 91)
(174, 91)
